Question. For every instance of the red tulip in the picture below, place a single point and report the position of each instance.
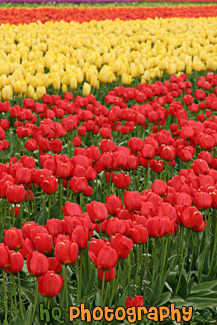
(15, 193)
(27, 248)
(13, 238)
(159, 187)
(107, 258)
(115, 226)
(191, 217)
(37, 264)
(113, 203)
(148, 151)
(54, 265)
(50, 284)
(167, 153)
(202, 200)
(132, 200)
(122, 245)
(80, 236)
(71, 209)
(109, 275)
(139, 234)
(135, 301)
(121, 180)
(136, 144)
(66, 252)
(153, 226)
(97, 211)
(43, 243)
(95, 247)
(49, 184)
(4, 256)
(16, 262)
(56, 146)
(54, 227)
(23, 175)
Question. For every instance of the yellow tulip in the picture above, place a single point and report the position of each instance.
(40, 91)
(126, 79)
(64, 88)
(172, 68)
(188, 69)
(94, 82)
(80, 77)
(7, 92)
(73, 82)
(23, 87)
(56, 84)
(30, 91)
(86, 89)
(17, 87)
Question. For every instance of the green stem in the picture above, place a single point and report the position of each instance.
(103, 284)
(14, 214)
(129, 268)
(148, 172)
(81, 200)
(114, 288)
(15, 294)
(44, 208)
(35, 301)
(48, 306)
(214, 248)
(80, 273)
(100, 231)
(66, 288)
(106, 292)
(49, 206)
(165, 254)
(192, 256)
(20, 299)
(181, 247)
(153, 272)
(79, 266)
(28, 206)
(67, 193)
(11, 291)
(183, 260)
(146, 266)
(138, 255)
(6, 299)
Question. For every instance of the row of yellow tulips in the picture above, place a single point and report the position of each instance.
(35, 56)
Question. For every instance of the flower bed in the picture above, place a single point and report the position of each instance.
(128, 190)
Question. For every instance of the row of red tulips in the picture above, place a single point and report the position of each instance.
(23, 15)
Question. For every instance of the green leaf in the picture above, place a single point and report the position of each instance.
(90, 295)
(28, 315)
(123, 297)
(206, 293)
(157, 285)
(204, 286)
(179, 302)
(17, 320)
(25, 288)
(89, 286)
(163, 299)
(183, 290)
(202, 303)
(98, 298)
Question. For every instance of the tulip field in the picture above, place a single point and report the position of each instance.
(108, 162)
